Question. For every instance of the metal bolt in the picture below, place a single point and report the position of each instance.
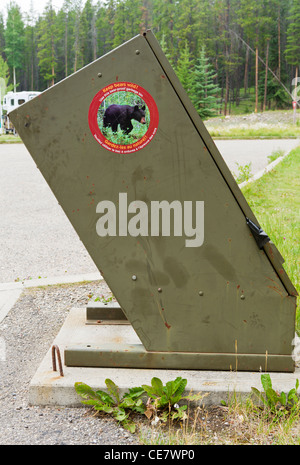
(242, 297)
(137, 52)
(201, 293)
(134, 278)
(159, 289)
(99, 74)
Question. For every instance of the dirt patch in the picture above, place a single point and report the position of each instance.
(220, 425)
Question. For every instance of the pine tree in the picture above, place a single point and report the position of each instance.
(2, 39)
(205, 90)
(184, 69)
(254, 17)
(30, 53)
(51, 47)
(4, 77)
(46, 45)
(14, 40)
(78, 32)
(65, 21)
(102, 30)
(87, 33)
(119, 23)
(292, 51)
(164, 47)
(186, 25)
(164, 19)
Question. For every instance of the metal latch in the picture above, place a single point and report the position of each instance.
(259, 235)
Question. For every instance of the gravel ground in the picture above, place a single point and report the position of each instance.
(28, 331)
(267, 117)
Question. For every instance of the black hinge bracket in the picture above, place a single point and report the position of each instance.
(259, 235)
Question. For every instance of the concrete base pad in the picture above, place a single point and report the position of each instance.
(47, 387)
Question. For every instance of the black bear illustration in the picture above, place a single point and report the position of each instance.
(122, 115)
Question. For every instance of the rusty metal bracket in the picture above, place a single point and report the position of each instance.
(55, 349)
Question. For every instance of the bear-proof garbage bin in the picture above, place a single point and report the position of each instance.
(151, 198)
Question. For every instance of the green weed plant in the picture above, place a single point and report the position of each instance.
(244, 172)
(275, 154)
(162, 402)
(112, 403)
(278, 404)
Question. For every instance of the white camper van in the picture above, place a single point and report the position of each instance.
(11, 101)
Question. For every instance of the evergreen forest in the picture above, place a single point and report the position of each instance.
(222, 50)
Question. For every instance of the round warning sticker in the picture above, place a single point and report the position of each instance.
(123, 117)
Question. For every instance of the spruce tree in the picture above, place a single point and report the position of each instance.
(184, 69)
(164, 47)
(46, 45)
(205, 90)
(292, 51)
(4, 77)
(14, 40)
(2, 38)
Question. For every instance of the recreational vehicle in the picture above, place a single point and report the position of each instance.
(11, 101)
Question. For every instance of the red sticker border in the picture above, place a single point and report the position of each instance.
(120, 87)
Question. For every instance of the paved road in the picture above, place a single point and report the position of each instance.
(254, 151)
(37, 239)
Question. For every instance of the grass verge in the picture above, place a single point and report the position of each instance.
(9, 139)
(275, 201)
(280, 131)
(239, 423)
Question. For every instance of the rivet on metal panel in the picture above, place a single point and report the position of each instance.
(134, 278)
(201, 293)
(99, 74)
(137, 52)
(242, 297)
(159, 289)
